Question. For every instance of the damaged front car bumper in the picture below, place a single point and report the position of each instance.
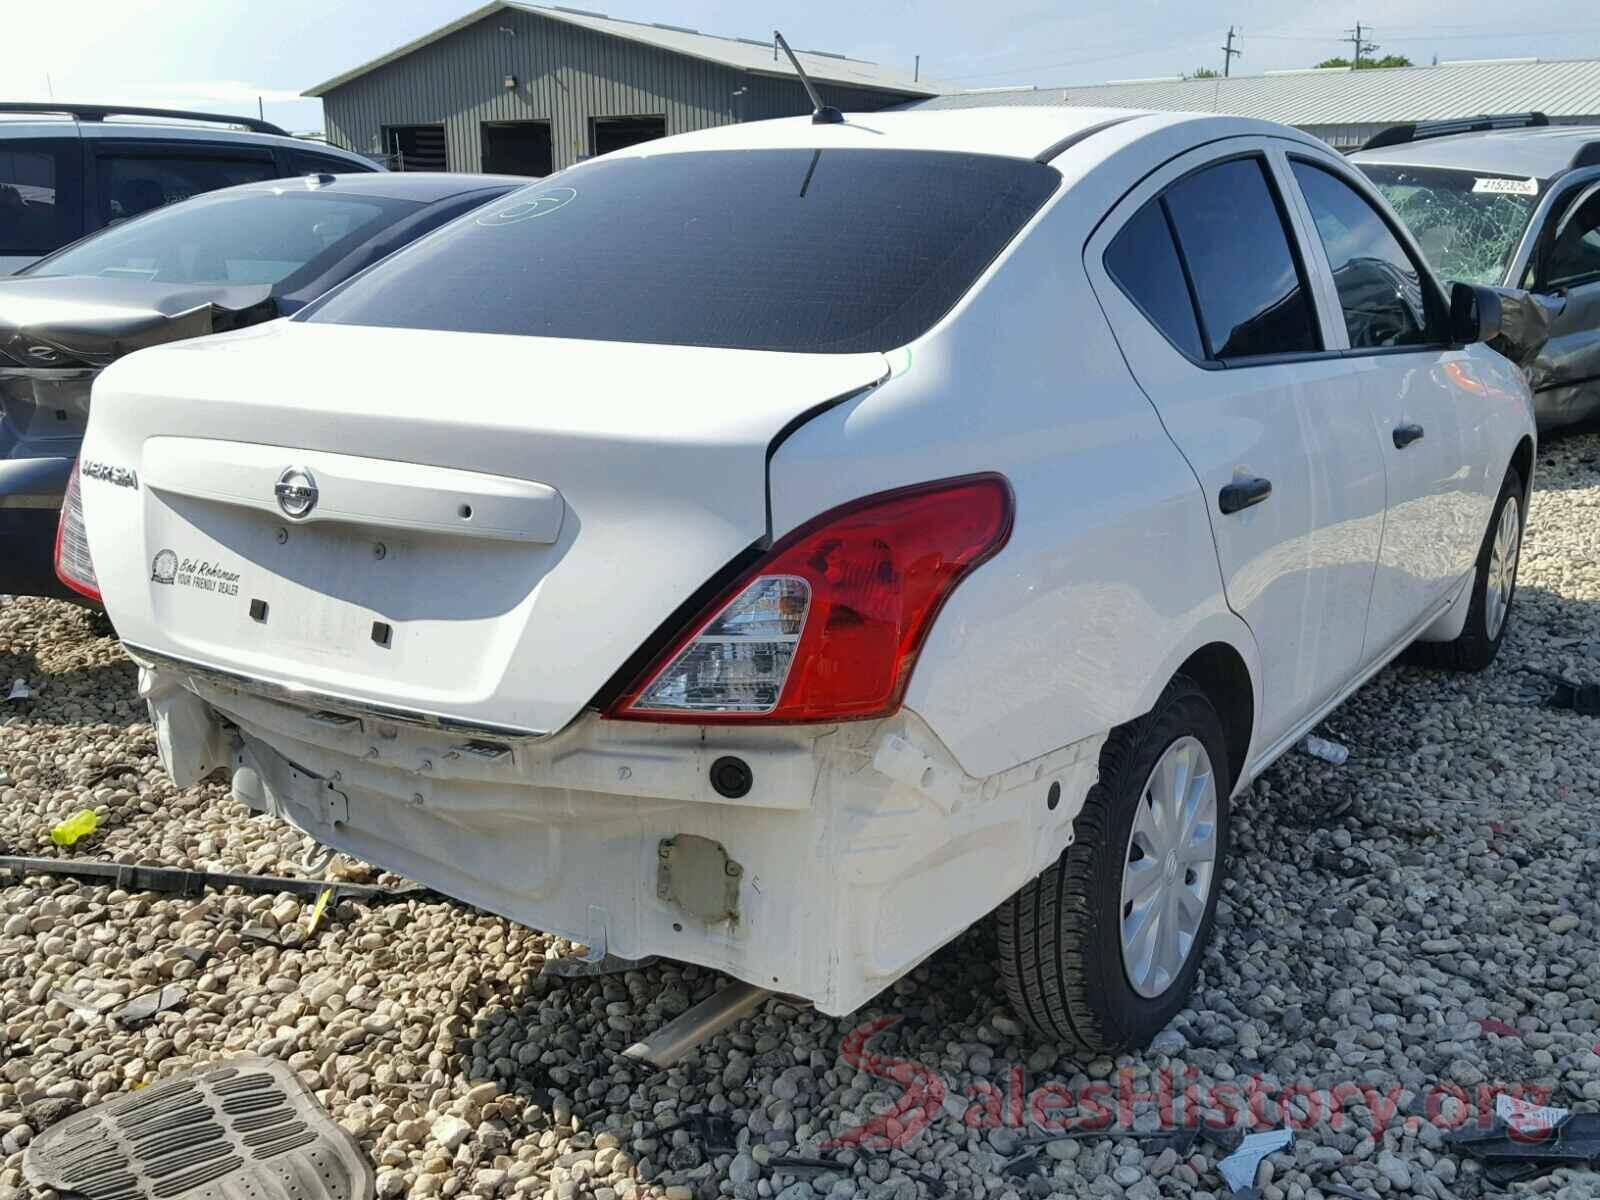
(821, 861)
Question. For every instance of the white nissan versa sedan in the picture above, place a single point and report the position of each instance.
(779, 546)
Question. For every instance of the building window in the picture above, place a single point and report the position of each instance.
(415, 147)
(517, 148)
(614, 133)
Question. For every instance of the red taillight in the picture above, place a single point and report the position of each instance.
(74, 567)
(828, 626)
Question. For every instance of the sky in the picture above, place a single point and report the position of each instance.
(224, 55)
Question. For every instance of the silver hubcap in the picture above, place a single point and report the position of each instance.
(1169, 868)
(1502, 567)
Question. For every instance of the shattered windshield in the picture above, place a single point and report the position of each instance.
(1468, 224)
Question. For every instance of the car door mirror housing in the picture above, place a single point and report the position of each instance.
(1474, 314)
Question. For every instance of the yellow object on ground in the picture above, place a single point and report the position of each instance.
(79, 825)
(321, 907)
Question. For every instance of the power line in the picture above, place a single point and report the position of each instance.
(1468, 37)
(1236, 34)
(1299, 37)
(1072, 62)
(1489, 31)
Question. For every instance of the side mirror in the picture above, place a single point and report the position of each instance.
(1474, 314)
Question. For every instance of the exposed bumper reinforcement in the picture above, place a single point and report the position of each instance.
(313, 699)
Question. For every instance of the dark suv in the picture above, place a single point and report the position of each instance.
(67, 170)
(1511, 201)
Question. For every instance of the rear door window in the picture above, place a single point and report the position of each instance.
(41, 201)
(1144, 262)
(1247, 279)
(130, 182)
(819, 251)
(1383, 293)
(302, 162)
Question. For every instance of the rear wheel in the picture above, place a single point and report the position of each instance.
(1494, 586)
(1099, 953)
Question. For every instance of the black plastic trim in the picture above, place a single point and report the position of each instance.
(1072, 139)
(1417, 131)
(99, 112)
(1243, 493)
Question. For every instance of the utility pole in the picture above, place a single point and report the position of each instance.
(1361, 45)
(1229, 53)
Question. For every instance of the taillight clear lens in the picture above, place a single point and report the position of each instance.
(74, 567)
(741, 660)
(828, 626)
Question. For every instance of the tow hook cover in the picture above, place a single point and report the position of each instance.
(696, 875)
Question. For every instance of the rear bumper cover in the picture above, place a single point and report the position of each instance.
(860, 849)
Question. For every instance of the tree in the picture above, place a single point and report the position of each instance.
(1388, 60)
(1204, 73)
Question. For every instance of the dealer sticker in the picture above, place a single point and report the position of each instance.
(169, 569)
(1505, 187)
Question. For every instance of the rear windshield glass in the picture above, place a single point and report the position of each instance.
(1469, 225)
(255, 237)
(823, 251)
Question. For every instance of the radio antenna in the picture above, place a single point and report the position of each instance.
(821, 114)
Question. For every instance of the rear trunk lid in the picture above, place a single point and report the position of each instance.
(463, 528)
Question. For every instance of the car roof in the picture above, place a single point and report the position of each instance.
(17, 125)
(1542, 152)
(425, 187)
(1036, 132)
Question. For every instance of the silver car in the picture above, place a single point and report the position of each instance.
(1513, 202)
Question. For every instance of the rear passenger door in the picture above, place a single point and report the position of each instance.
(41, 198)
(1199, 274)
(1393, 322)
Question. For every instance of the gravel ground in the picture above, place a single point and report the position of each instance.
(1424, 918)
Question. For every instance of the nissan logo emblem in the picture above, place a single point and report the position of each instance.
(296, 490)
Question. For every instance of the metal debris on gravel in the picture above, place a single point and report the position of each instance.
(1400, 938)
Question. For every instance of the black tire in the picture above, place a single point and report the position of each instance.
(1474, 649)
(1060, 936)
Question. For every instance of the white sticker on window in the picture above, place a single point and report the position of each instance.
(1506, 187)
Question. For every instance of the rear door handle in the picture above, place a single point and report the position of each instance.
(1404, 435)
(1243, 493)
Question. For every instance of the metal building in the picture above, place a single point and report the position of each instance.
(525, 89)
(1344, 107)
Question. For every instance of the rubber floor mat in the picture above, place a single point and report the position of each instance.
(245, 1129)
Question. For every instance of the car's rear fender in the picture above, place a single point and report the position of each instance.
(1110, 578)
